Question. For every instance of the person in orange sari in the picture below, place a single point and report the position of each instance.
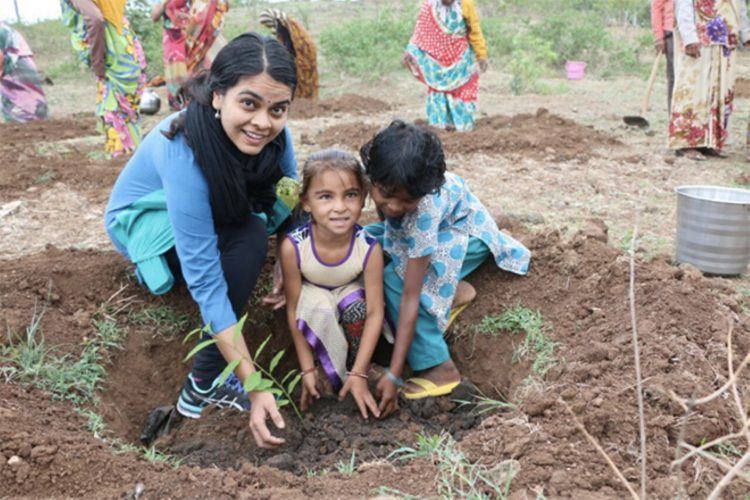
(300, 44)
(192, 38)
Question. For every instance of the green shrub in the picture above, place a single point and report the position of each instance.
(367, 48)
(530, 60)
(575, 37)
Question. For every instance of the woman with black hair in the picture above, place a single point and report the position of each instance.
(196, 202)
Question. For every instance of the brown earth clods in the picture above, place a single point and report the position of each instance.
(580, 286)
(349, 104)
(32, 158)
(541, 135)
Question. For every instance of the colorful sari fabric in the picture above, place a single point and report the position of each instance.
(445, 61)
(20, 87)
(703, 97)
(300, 43)
(192, 38)
(119, 92)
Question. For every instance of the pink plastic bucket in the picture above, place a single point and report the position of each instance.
(575, 69)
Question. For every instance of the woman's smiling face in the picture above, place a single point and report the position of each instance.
(254, 111)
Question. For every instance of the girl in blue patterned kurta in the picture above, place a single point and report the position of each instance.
(435, 232)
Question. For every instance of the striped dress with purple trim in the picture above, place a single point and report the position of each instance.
(327, 290)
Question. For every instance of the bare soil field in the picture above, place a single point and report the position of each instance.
(561, 173)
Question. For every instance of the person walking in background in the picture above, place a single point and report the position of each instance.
(708, 33)
(662, 24)
(300, 43)
(20, 86)
(192, 37)
(102, 37)
(447, 52)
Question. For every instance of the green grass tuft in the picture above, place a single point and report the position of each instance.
(457, 477)
(536, 343)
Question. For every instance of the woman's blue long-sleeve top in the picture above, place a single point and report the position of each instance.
(160, 163)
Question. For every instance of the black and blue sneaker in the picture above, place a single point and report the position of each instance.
(230, 394)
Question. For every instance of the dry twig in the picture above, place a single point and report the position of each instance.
(591, 439)
(637, 356)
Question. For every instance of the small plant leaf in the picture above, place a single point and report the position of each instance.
(252, 381)
(289, 374)
(190, 334)
(238, 328)
(275, 361)
(200, 346)
(282, 402)
(260, 348)
(229, 369)
(293, 384)
(264, 385)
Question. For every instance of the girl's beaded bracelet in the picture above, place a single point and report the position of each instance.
(358, 374)
(309, 370)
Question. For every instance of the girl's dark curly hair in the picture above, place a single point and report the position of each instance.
(406, 156)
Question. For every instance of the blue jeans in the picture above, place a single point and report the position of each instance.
(428, 347)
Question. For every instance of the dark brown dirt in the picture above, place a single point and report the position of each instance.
(17, 134)
(541, 136)
(742, 88)
(349, 104)
(33, 158)
(580, 286)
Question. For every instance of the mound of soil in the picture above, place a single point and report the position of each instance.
(542, 135)
(581, 289)
(580, 286)
(348, 104)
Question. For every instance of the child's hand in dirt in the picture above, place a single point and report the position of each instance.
(310, 391)
(361, 394)
(263, 406)
(276, 299)
(388, 394)
(483, 65)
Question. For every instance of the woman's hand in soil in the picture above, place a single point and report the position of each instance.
(262, 406)
(357, 386)
(276, 299)
(310, 391)
(388, 394)
(693, 50)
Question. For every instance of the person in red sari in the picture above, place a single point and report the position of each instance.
(447, 52)
(192, 38)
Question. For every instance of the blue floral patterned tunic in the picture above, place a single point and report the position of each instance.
(441, 227)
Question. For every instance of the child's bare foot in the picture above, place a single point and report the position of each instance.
(440, 375)
(465, 293)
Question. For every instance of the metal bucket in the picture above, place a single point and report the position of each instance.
(713, 228)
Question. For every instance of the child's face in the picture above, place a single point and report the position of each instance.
(393, 202)
(334, 199)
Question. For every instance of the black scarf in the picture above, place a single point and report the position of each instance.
(238, 184)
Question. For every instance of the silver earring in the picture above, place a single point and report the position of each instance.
(217, 115)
